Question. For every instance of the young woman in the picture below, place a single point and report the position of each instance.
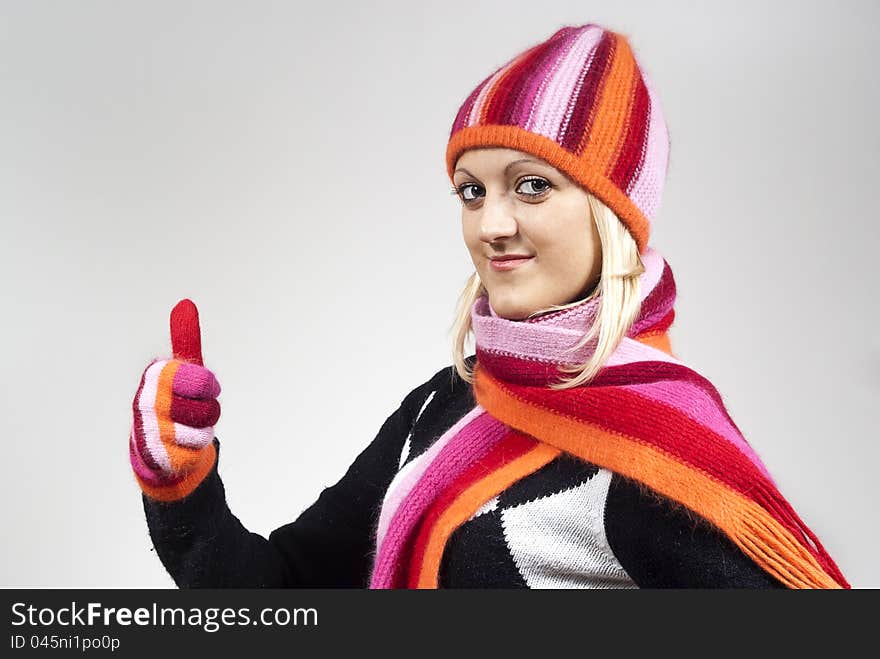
(573, 448)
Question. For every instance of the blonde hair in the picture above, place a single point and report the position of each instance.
(617, 289)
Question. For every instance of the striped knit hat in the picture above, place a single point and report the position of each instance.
(579, 101)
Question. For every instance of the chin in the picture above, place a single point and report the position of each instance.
(510, 309)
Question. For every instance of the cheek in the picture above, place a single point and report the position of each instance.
(471, 238)
(467, 235)
(566, 246)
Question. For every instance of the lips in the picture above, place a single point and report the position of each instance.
(509, 262)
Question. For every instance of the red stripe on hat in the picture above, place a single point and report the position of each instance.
(588, 96)
(634, 146)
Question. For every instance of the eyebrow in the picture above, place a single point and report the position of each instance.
(506, 169)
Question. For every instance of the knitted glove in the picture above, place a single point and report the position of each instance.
(175, 408)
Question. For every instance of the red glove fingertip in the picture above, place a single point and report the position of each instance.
(186, 336)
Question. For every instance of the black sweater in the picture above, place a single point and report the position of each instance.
(626, 535)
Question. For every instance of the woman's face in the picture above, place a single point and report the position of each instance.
(516, 203)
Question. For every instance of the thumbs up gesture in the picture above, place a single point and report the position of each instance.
(174, 411)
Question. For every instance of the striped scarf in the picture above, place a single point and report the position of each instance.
(645, 415)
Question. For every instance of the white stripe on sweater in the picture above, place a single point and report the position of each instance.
(559, 540)
(406, 444)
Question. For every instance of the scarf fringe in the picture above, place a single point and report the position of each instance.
(805, 538)
(776, 550)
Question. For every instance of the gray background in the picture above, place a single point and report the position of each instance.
(282, 165)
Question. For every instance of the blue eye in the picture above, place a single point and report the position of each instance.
(462, 191)
(543, 185)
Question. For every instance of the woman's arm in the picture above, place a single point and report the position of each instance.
(203, 545)
(661, 544)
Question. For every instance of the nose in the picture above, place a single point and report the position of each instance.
(496, 218)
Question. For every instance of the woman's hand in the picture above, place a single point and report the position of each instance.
(174, 411)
